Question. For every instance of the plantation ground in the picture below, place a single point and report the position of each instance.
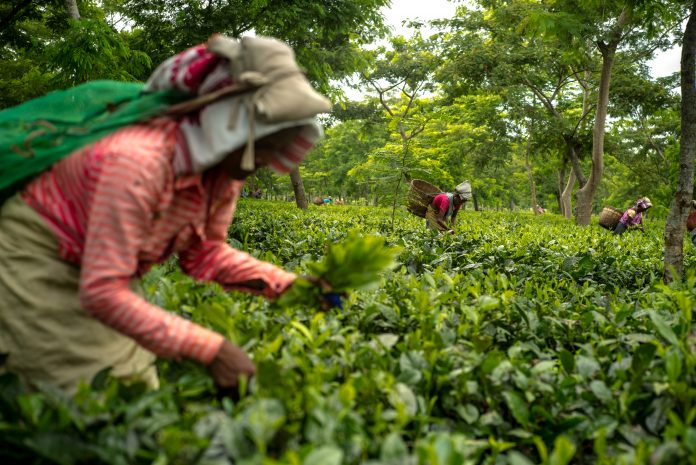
(519, 340)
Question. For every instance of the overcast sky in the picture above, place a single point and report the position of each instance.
(666, 63)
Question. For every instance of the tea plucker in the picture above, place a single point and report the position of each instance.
(632, 218)
(75, 241)
(442, 211)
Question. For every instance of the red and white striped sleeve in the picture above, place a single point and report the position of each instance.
(123, 205)
(215, 260)
(234, 269)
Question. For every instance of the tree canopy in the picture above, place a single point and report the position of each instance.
(505, 93)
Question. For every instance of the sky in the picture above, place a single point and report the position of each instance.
(417, 9)
(665, 63)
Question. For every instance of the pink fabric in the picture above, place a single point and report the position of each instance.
(631, 217)
(187, 71)
(118, 207)
(198, 71)
(441, 204)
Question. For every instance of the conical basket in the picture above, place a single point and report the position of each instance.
(610, 217)
(691, 221)
(420, 196)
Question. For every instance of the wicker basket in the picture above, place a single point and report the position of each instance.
(420, 196)
(691, 221)
(610, 217)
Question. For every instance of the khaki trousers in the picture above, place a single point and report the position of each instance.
(43, 328)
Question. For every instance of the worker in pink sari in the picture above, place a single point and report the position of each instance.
(442, 212)
(75, 241)
(632, 218)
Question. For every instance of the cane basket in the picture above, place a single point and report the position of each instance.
(691, 221)
(610, 217)
(420, 196)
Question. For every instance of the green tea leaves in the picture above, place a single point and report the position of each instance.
(356, 263)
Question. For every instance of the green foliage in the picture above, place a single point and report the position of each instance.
(353, 264)
(91, 50)
(346, 145)
(46, 50)
(326, 36)
(518, 340)
(498, 74)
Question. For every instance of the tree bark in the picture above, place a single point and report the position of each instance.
(561, 183)
(73, 11)
(567, 210)
(572, 147)
(298, 188)
(396, 198)
(530, 175)
(585, 194)
(679, 211)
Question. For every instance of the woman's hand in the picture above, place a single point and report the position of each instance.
(229, 365)
(322, 284)
(329, 299)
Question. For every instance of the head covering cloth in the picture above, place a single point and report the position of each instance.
(247, 89)
(464, 190)
(644, 202)
(226, 94)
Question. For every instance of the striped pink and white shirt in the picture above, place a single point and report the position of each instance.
(118, 206)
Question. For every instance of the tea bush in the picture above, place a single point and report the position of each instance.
(519, 340)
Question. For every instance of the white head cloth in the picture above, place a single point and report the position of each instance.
(219, 128)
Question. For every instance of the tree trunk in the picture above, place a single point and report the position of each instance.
(298, 188)
(474, 197)
(679, 211)
(530, 175)
(396, 198)
(561, 184)
(586, 193)
(567, 210)
(402, 170)
(572, 148)
(73, 11)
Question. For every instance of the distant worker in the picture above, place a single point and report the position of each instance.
(539, 210)
(633, 217)
(442, 212)
(328, 200)
(691, 223)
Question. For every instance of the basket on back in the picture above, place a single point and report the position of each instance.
(420, 196)
(691, 221)
(610, 217)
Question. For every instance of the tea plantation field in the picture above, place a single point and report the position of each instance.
(519, 340)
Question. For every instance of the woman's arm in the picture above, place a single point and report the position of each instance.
(215, 260)
(234, 269)
(453, 220)
(123, 205)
